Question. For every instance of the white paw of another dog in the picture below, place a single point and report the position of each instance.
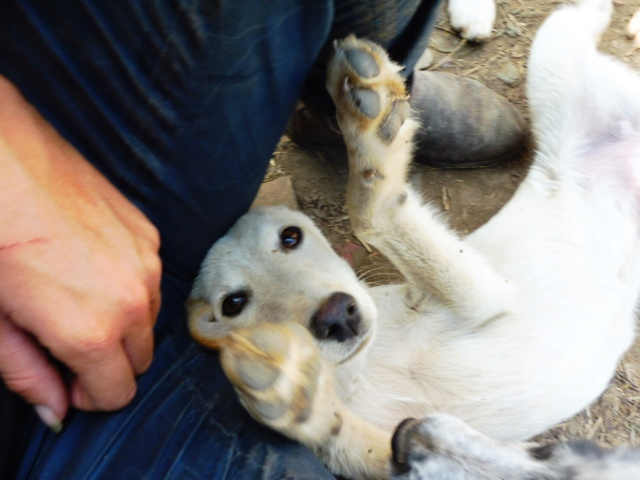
(281, 379)
(444, 447)
(634, 28)
(472, 18)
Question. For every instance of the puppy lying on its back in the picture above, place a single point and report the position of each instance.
(512, 329)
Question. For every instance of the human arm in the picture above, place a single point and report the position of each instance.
(79, 272)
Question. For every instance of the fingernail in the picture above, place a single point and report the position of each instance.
(48, 418)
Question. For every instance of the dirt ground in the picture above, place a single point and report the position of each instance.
(471, 197)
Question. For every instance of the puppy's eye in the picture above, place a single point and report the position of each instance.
(290, 237)
(233, 304)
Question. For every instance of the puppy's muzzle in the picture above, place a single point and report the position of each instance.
(337, 318)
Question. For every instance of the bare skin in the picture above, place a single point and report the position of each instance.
(79, 272)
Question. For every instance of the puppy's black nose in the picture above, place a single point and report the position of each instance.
(337, 318)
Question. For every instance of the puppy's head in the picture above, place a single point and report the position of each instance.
(274, 265)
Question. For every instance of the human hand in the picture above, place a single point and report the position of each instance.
(79, 272)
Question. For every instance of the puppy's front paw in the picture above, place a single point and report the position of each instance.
(281, 379)
(369, 94)
(472, 18)
(372, 108)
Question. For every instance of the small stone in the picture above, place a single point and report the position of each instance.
(425, 60)
(277, 192)
(510, 74)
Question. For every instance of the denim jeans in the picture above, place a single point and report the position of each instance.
(180, 104)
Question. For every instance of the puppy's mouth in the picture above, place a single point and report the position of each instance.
(364, 341)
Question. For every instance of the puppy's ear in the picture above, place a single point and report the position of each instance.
(203, 325)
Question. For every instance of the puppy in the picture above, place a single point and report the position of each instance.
(512, 329)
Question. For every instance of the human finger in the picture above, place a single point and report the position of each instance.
(138, 345)
(104, 379)
(28, 371)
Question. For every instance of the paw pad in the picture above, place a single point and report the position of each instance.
(367, 101)
(251, 358)
(362, 62)
(394, 119)
(269, 410)
(256, 375)
(270, 341)
(369, 92)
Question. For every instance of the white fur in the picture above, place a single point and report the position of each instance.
(512, 329)
(473, 18)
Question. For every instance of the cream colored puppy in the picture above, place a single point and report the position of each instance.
(512, 329)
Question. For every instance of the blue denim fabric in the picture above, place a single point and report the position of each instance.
(180, 104)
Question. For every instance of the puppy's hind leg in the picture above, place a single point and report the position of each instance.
(576, 93)
(585, 110)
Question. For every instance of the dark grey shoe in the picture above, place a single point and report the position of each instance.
(463, 123)
(310, 129)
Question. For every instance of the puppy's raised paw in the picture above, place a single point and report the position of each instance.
(369, 94)
(277, 371)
